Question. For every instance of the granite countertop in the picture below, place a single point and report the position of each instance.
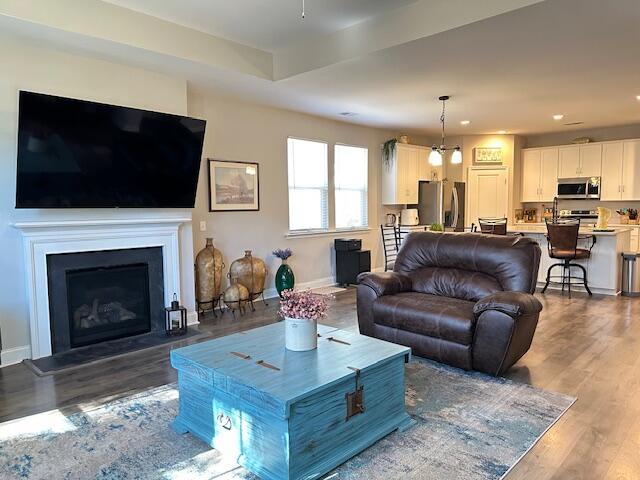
(542, 229)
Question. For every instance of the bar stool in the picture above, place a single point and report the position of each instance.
(390, 244)
(494, 226)
(562, 244)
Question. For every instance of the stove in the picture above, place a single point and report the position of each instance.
(581, 214)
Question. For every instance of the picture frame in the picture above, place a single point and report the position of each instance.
(233, 186)
(487, 155)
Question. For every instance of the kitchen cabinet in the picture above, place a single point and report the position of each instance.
(621, 172)
(539, 174)
(400, 178)
(611, 181)
(580, 161)
(569, 161)
(591, 160)
(427, 171)
(630, 182)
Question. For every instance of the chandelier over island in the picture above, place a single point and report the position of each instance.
(437, 152)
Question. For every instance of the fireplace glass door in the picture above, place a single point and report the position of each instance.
(107, 303)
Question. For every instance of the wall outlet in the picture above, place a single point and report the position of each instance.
(203, 226)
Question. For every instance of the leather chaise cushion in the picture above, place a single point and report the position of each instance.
(434, 316)
(454, 283)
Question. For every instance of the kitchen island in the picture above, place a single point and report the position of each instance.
(604, 268)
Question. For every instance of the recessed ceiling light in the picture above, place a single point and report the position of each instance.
(558, 116)
(465, 122)
(637, 97)
(501, 132)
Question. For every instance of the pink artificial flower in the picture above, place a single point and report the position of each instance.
(306, 305)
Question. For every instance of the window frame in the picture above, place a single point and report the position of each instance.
(366, 192)
(309, 231)
(331, 228)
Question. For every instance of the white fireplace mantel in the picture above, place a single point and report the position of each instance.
(44, 238)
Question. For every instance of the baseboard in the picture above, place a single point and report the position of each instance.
(192, 318)
(577, 288)
(321, 282)
(11, 356)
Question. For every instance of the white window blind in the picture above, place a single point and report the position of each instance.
(308, 185)
(351, 172)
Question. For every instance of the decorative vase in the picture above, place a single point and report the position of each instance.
(209, 266)
(236, 297)
(285, 280)
(249, 271)
(300, 334)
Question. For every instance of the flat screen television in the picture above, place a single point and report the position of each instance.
(80, 154)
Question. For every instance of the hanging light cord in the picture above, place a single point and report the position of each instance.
(303, 9)
(442, 122)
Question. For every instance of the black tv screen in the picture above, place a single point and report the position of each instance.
(80, 154)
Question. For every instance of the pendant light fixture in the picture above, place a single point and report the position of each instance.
(435, 157)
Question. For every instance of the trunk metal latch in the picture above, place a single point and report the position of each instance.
(355, 399)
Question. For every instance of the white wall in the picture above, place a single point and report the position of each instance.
(235, 131)
(37, 69)
(247, 132)
(603, 134)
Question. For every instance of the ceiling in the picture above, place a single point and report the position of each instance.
(268, 25)
(508, 65)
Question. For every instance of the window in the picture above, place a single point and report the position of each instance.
(351, 172)
(308, 185)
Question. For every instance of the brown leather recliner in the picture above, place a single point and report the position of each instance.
(461, 299)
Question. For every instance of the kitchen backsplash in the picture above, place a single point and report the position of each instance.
(585, 205)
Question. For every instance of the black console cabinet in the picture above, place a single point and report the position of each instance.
(350, 260)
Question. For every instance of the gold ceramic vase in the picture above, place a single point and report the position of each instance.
(236, 297)
(209, 266)
(249, 271)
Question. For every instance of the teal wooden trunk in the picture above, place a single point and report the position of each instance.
(285, 415)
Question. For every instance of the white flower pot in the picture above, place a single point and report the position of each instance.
(300, 334)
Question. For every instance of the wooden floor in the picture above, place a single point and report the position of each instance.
(586, 347)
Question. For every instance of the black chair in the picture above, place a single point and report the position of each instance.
(390, 245)
(493, 226)
(562, 244)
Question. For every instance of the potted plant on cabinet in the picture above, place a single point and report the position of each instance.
(301, 312)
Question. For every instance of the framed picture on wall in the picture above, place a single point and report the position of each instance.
(484, 155)
(233, 186)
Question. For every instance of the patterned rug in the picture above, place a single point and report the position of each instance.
(469, 426)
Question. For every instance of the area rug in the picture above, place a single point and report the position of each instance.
(468, 426)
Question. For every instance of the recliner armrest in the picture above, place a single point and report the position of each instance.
(387, 283)
(514, 304)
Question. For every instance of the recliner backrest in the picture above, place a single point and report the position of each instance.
(469, 266)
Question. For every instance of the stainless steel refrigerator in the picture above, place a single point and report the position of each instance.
(441, 202)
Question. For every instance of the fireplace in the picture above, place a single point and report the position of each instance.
(98, 296)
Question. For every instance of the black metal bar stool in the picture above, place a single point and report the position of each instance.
(562, 243)
(390, 245)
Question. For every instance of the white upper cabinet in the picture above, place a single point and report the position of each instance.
(611, 181)
(531, 175)
(630, 182)
(427, 171)
(580, 161)
(539, 174)
(590, 160)
(569, 158)
(400, 178)
(548, 174)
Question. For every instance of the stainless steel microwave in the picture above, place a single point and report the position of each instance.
(577, 188)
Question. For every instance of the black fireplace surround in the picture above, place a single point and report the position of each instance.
(104, 295)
